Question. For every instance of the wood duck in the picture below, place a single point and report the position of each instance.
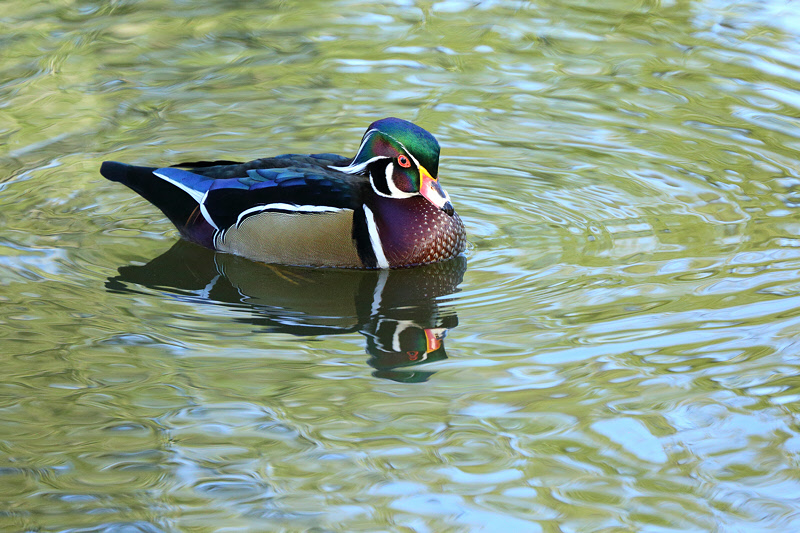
(384, 208)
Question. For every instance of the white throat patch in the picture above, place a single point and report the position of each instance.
(394, 192)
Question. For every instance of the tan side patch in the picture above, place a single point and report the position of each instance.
(318, 239)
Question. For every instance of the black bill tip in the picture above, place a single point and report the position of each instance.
(449, 209)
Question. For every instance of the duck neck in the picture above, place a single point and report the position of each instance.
(412, 231)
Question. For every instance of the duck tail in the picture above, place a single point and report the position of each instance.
(177, 193)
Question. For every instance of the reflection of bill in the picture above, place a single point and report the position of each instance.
(396, 344)
(404, 314)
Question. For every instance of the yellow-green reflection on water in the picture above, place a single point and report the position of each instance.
(621, 354)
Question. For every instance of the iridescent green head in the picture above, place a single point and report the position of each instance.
(401, 160)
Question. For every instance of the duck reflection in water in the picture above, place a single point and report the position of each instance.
(404, 314)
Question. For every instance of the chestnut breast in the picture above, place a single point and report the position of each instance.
(414, 232)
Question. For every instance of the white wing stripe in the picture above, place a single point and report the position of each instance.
(197, 195)
(205, 213)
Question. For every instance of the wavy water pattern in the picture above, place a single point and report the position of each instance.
(617, 351)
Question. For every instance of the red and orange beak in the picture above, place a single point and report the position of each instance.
(433, 340)
(433, 192)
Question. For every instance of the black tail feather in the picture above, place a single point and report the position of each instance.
(177, 204)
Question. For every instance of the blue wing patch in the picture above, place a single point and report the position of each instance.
(193, 184)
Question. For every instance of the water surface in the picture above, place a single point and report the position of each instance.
(617, 352)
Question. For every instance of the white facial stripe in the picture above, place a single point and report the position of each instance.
(351, 169)
(358, 168)
(374, 188)
(287, 207)
(367, 135)
(408, 153)
(406, 150)
(197, 195)
(395, 192)
(375, 239)
(414, 159)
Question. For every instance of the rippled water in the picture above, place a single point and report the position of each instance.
(621, 348)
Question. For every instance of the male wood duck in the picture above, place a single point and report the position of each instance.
(384, 208)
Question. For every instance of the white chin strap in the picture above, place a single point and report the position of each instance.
(394, 192)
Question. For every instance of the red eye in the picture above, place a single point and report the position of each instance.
(403, 161)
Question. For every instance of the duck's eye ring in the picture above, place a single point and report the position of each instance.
(403, 161)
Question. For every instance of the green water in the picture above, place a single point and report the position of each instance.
(621, 348)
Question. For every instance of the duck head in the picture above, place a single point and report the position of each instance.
(401, 160)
